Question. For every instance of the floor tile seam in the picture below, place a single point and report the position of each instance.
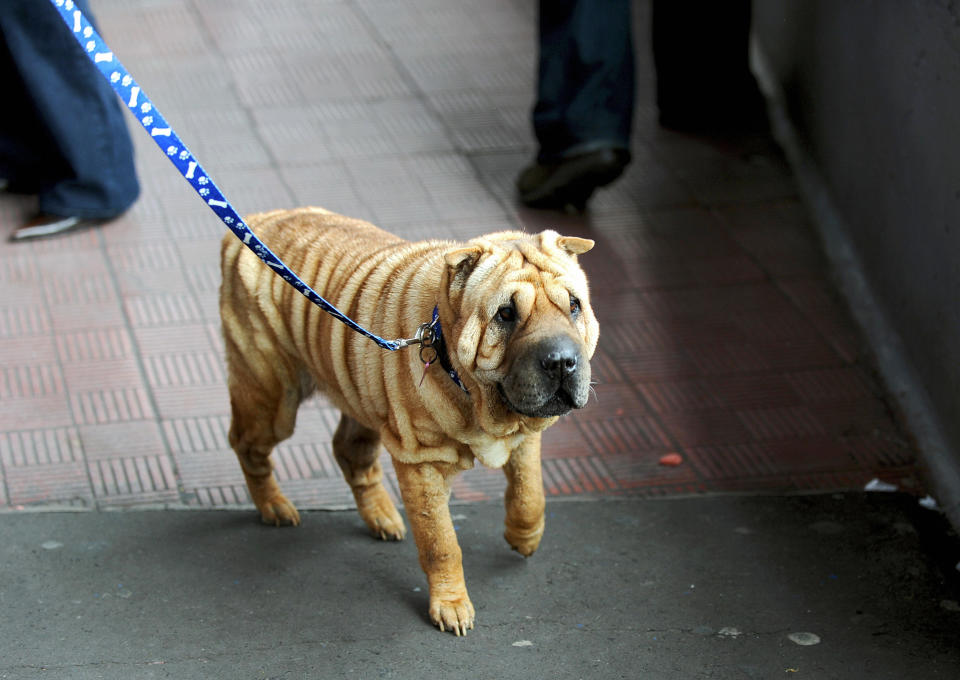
(679, 287)
(777, 282)
(747, 460)
(809, 316)
(5, 484)
(244, 110)
(719, 376)
(716, 212)
(713, 487)
(823, 433)
(251, 121)
(425, 100)
(138, 354)
(739, 407)
(790, 483)
(650, 412)
(582, 470)
(75, 423)
(53, 431)
(374, 156)
(137, 357)
(797, 483)
(769, 277)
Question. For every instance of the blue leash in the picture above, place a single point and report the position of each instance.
(149, 117)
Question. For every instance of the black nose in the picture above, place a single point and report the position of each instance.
(560, 360)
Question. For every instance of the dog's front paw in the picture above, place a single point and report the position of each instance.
(278, 511)
(525, 540)
(454, 614)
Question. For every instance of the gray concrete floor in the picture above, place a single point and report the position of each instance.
(709, 587)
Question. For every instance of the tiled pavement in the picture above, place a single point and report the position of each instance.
(721, 338)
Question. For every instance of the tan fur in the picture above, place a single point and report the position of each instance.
(280, 348)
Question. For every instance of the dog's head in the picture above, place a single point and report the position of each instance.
(524, 330)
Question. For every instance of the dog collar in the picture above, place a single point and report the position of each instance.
(433, 348)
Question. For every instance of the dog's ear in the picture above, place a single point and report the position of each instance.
(575, 245)
(460, 263)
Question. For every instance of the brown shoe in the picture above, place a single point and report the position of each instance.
(45, 225)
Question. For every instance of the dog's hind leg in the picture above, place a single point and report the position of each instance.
(262, 418)
(357, 449)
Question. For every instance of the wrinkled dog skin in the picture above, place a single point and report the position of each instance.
(517, 327)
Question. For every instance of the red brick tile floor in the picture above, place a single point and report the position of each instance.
(722, 339)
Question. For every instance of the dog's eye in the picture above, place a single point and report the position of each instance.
(574, 306)
(506, 314)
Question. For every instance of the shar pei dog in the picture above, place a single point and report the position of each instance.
(509, 354)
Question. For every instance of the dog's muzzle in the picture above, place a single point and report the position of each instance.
(548, 379)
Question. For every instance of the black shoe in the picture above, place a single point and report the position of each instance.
(45, 225)
(568, 183)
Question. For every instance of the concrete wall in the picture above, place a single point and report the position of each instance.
(873, 89)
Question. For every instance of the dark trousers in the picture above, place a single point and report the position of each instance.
(585, 84)
(62, 131)
(702, 60)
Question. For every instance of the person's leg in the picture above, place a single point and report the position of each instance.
(585, 84)
(27, 153)
(585, 98)
(92, 175)
(701, 57)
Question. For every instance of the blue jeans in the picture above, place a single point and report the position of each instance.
(585, 84)
(62, 131)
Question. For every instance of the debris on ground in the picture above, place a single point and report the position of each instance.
(671, 459)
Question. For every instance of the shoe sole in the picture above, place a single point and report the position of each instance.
(61, 228)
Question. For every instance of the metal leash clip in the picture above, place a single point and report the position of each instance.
(426, 337)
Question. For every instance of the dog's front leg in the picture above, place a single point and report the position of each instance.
(426, 494)
(524, 497)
